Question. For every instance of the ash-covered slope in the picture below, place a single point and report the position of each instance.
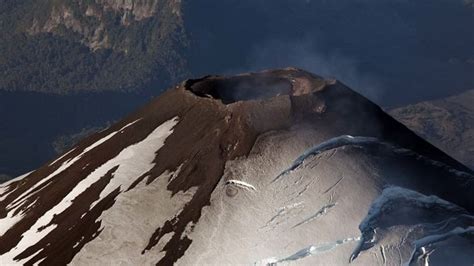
(263, 168)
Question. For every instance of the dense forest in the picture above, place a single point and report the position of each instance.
(59, 47)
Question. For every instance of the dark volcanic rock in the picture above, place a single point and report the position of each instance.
(197, 176)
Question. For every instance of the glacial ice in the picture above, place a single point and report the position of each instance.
(283, 211)
(361, 141)
(308, 251)
(330, 144)
(318, 214)
(391, 199)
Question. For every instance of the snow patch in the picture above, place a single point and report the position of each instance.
(5, 187)
(136, 159)
(240, 184)
(9, 221)
(125, 236)
(308, 251)
(104, 139)
(133, 161)
(175, 173)
(187, 230)
(62, 156)
(30, 257)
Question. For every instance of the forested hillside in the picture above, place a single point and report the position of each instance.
(64, 46)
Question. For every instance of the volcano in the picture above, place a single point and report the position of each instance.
(262, 168)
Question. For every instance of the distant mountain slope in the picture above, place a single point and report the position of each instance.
(447, 123)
